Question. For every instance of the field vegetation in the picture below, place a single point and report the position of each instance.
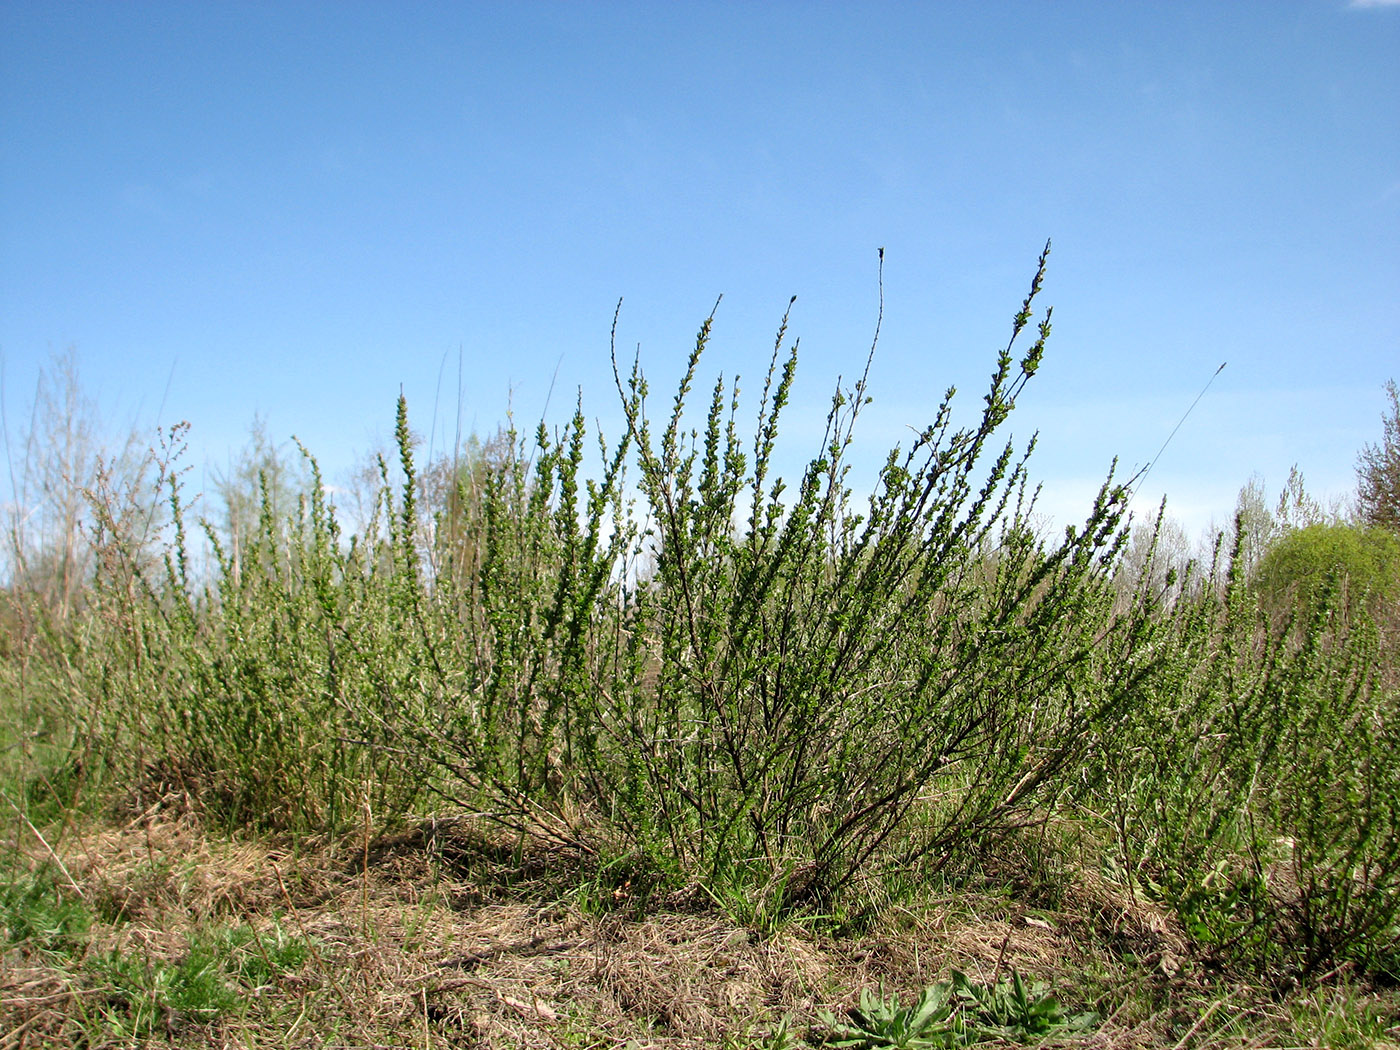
(577, 740)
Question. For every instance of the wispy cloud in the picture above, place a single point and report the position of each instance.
(1374, 3)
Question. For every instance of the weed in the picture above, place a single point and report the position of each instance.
(1015, 1010)
(931, 1021)
(955, 1012)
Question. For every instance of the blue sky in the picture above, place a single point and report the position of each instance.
(292, 210)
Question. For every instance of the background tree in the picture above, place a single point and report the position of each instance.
(1297, 508)
(1158, 549)
(264, 470)
(63, 465)
(1378, 471)
(1366, 559)
(1260, 527)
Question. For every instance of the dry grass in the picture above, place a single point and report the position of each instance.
(446, 937)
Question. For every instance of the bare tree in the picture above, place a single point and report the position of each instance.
(62, 466)
(1260, 526)
(1378, 471)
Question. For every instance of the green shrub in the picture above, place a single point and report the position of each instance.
(794, 697)
(1253, 780)
(775, 690)
(1297, 568)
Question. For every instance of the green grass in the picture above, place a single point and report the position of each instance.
(215, 975)
(38, 918)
